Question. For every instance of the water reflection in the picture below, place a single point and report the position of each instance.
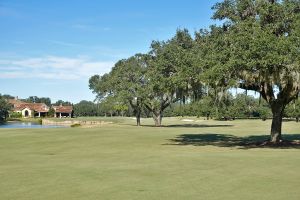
(26, 125)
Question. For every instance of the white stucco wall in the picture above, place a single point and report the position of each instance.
(30, 112)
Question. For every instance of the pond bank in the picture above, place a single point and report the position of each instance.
(82, 123)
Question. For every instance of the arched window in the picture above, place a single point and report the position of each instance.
(26, 113)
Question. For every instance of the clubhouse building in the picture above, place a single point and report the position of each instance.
(63, 111)
(39, 109)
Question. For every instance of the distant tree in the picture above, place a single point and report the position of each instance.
(167, 74)
(45, 100)
(35, 99)
(175, 72)
(85, 108)
(125, 83)
(51, 112)
(243, 106)
(5, 107)
(121, 108)
(7, 96)
(293, 110)
(61, 102)
(264, 111)
(181, 57)
(223, 109)
(161, 90)
(107, 106)
(204, 107)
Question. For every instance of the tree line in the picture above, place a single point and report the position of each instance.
(255, 47)
(83, 108)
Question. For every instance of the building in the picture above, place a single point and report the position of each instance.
(29, 109)
(63, 111)
(39, 109)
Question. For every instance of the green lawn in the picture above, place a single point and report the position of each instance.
(192, 160)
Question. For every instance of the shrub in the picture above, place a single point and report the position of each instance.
(15, 115)
(75, 125)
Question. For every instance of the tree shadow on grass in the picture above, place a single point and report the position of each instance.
(189, 126)
(226, 140)
(198, 125)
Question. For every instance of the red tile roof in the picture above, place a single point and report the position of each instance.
(38, 107)
(63, 109)
(20, 105)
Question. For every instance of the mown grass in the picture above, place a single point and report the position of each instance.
(182, 160)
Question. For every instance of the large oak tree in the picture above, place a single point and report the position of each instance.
(258, 48)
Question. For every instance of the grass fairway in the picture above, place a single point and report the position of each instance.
(183, 161)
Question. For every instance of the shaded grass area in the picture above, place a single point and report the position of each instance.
(128, 162)
(226, 140)
(199, 125)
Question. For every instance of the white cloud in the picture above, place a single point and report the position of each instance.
(53, 67)
(11, 74)
(68, 44)
(90, 27)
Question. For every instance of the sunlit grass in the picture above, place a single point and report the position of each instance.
(128, 162)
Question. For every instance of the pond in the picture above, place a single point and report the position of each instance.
(18, 124)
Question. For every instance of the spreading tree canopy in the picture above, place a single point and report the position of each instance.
(126, 83)
(171, 74)
(258, 48)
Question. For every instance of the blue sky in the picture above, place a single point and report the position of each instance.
(51, 48)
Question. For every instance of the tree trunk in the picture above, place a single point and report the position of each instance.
(207, 116)
(138, 118)
(297, 119)
(277, 111)
(157, 117)
(183, 99)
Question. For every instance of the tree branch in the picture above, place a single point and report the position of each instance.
(254, 87)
